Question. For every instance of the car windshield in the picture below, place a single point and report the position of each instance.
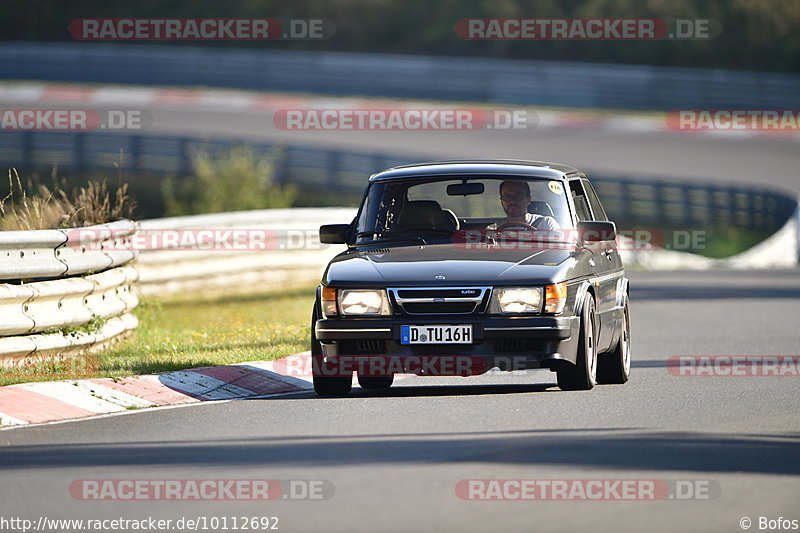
(429, 209)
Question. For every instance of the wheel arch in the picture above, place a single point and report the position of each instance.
(623, 289)
(584, 288)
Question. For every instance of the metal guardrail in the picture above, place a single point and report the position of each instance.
(280, 248)
(548, 83)
(54, 280)
(29, 255)
(632, 201)
(663, 203)
(23, 346)
(39, 306)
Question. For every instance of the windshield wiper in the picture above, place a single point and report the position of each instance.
(392, 235)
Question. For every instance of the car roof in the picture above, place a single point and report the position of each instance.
(486, 167)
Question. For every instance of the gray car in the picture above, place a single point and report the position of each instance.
(457, 267)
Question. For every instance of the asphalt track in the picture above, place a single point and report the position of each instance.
(395, 458)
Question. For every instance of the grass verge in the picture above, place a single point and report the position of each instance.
(186, 334)
(727, 242)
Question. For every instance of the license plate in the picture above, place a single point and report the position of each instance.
(459, 334)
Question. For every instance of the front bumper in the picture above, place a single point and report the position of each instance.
(509, 343)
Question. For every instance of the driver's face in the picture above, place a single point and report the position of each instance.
(515, 200)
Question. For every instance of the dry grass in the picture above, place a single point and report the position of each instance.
(57, 208)
(188, 334)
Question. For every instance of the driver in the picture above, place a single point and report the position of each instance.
(515, 195)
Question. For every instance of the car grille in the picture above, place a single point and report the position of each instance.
(440, 300)
(438, 293)
(418, 308)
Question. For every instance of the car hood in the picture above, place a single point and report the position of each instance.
(423, 265)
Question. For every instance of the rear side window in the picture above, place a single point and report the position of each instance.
(580, 201)
(594, 202)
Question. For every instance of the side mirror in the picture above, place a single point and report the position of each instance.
(596, 231)
(333, 233)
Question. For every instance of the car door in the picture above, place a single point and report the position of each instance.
(609, 268)
(604, 281)
(583, 212)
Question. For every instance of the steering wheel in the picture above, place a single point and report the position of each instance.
(519, 225)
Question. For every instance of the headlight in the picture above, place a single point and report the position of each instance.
(516, 300)
(364, 302)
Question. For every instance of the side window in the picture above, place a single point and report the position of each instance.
(580, 201)
(594, 201)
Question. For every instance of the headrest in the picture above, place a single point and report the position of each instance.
(540, 208)
(425, 213)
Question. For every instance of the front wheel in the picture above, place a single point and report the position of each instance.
(332, 385)
(583, 374)
(326, 383)
(615, 367)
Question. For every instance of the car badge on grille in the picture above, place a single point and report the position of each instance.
(440, 277)
(438, 299)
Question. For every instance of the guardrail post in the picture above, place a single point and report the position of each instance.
(183, 156)
(625, 201)
(79, 152)
(27, 149)
(136, 153)
(758, 218)
(730, 206)
(333, 168)
(281, 165)
(688, 212)
(797, 230)
(660, 193)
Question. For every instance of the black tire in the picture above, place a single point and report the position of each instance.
(375, 382)
(583, 374)
(332, 385)
(615, 367)
(324, 383)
